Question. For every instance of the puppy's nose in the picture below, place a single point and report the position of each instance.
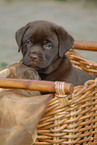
(33, 56)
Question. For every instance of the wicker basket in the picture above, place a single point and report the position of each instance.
(75, 121)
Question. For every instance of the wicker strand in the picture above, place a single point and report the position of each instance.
(60, 94)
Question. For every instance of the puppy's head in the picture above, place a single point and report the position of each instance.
(42, 43)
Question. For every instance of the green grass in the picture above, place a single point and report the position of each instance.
(8, 1)
(3, 65)
(61, 0)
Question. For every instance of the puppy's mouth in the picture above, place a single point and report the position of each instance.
(32, 64)
(36, 65)
(44, 69)
(41, 64)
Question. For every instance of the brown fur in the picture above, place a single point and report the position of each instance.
(43, 45)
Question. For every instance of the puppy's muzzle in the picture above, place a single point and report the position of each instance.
(33, 56)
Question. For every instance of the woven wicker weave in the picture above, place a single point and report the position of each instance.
(75, 121)
(82, 63)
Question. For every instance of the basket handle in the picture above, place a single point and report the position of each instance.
(85, 45)
(34, 85)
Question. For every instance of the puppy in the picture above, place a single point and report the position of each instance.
(43, 45)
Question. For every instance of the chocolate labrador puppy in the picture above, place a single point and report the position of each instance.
(43, 45)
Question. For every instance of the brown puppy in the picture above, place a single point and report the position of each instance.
(43, 45)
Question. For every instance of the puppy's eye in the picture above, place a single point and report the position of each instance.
(47, 46)
(28, 42)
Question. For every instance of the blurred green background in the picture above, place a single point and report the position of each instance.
(78, 17)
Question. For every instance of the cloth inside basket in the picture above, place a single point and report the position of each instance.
(20, 110)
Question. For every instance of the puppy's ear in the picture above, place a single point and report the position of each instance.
(19, 35)
(65, 41)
